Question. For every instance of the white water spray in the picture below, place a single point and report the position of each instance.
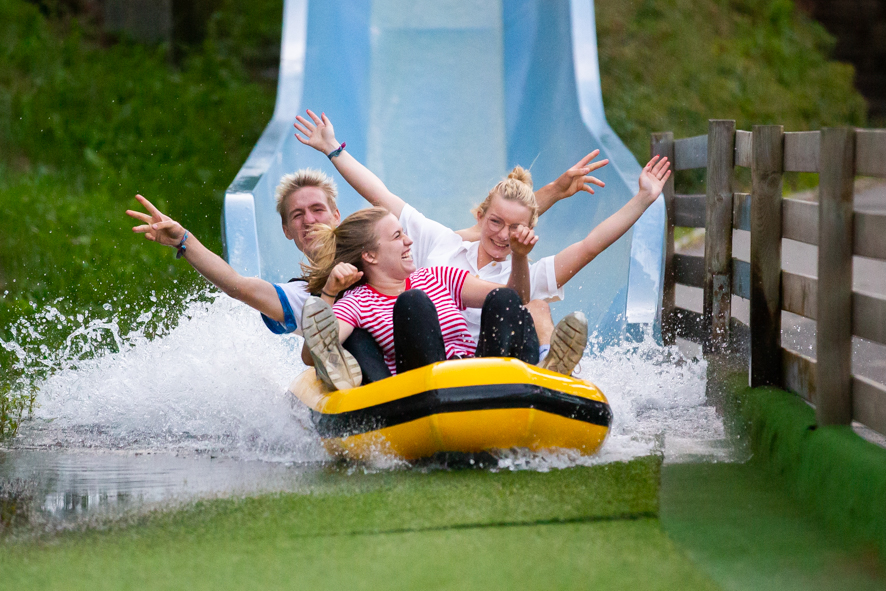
(216, 384)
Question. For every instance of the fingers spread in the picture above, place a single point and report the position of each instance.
(314, 117)
(142, 217)
(594, 181)
(306, 127)
(149, 206)
(597, 165)
(302, 129)
(584, 161)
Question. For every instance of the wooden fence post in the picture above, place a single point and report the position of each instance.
(833, 404)
(662, 144)
(718, 235)
(767, 171)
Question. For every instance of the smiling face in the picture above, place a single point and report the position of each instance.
(391, 258)
(304, 208)
(495, 225)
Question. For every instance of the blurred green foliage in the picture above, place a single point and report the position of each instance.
(86, 123)
(670, 65)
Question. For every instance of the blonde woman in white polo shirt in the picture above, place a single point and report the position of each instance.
(510, 203)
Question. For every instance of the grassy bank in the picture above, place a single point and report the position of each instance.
(670, 65)
(87, 122)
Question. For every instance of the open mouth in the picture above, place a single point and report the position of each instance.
(407, 256)
(501, 245)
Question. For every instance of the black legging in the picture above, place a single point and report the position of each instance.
(368, 354)
(506, 330)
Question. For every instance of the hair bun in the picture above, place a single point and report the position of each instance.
(521, 174)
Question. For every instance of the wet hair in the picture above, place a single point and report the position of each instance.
(306, 177)
(517, 187)
(345, 244)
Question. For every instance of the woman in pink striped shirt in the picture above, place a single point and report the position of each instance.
(413, 314)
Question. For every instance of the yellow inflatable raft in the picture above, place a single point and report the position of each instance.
(466, 405)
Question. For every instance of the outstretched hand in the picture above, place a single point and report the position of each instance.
(343, 276)
(318, 132)
(576, 178)
(156, 227)
(653, 178)
(522, 240)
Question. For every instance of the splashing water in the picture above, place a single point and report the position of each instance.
(214, 386)
(215, 383)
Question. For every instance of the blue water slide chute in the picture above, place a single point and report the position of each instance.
(440, 99)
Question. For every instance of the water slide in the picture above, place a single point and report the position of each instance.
(440, 98)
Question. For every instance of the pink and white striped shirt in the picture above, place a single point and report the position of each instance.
(364, 307)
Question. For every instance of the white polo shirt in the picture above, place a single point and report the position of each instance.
(435, 245)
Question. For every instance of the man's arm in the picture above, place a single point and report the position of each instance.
(320, 135)
(252, 291)
(573, 258)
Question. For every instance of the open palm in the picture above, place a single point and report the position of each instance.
(318, 132)
(654, 176)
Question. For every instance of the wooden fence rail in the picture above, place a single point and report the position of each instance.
(838, 155)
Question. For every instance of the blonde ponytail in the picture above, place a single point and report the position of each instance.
(344, 244)
(517, 187)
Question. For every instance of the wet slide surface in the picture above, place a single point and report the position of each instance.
(441, 100)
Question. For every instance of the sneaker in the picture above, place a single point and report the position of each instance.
(567, 344)
(335, 367)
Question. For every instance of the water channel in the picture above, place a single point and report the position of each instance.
(201, 411)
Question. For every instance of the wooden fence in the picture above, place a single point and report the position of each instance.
(838, 155)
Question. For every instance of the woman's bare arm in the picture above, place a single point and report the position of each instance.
(573, 258)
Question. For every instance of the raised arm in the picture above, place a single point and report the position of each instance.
(252, 291)
(566, 185)
(320, 135)
(475, 290)
(573, 258)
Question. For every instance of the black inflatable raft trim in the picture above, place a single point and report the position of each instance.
(461, 399)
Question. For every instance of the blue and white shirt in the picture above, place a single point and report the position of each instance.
(292, 297)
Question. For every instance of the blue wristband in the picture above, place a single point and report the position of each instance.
(335, 153)
(181, 246)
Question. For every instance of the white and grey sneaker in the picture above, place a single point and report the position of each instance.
(567, 344)
(335, 367)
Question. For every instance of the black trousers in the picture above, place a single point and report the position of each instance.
(368, 354)
(506, 330)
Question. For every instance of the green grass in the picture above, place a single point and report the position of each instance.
(612, 555)
(577, 528)
(830, 469)
(742, 526)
